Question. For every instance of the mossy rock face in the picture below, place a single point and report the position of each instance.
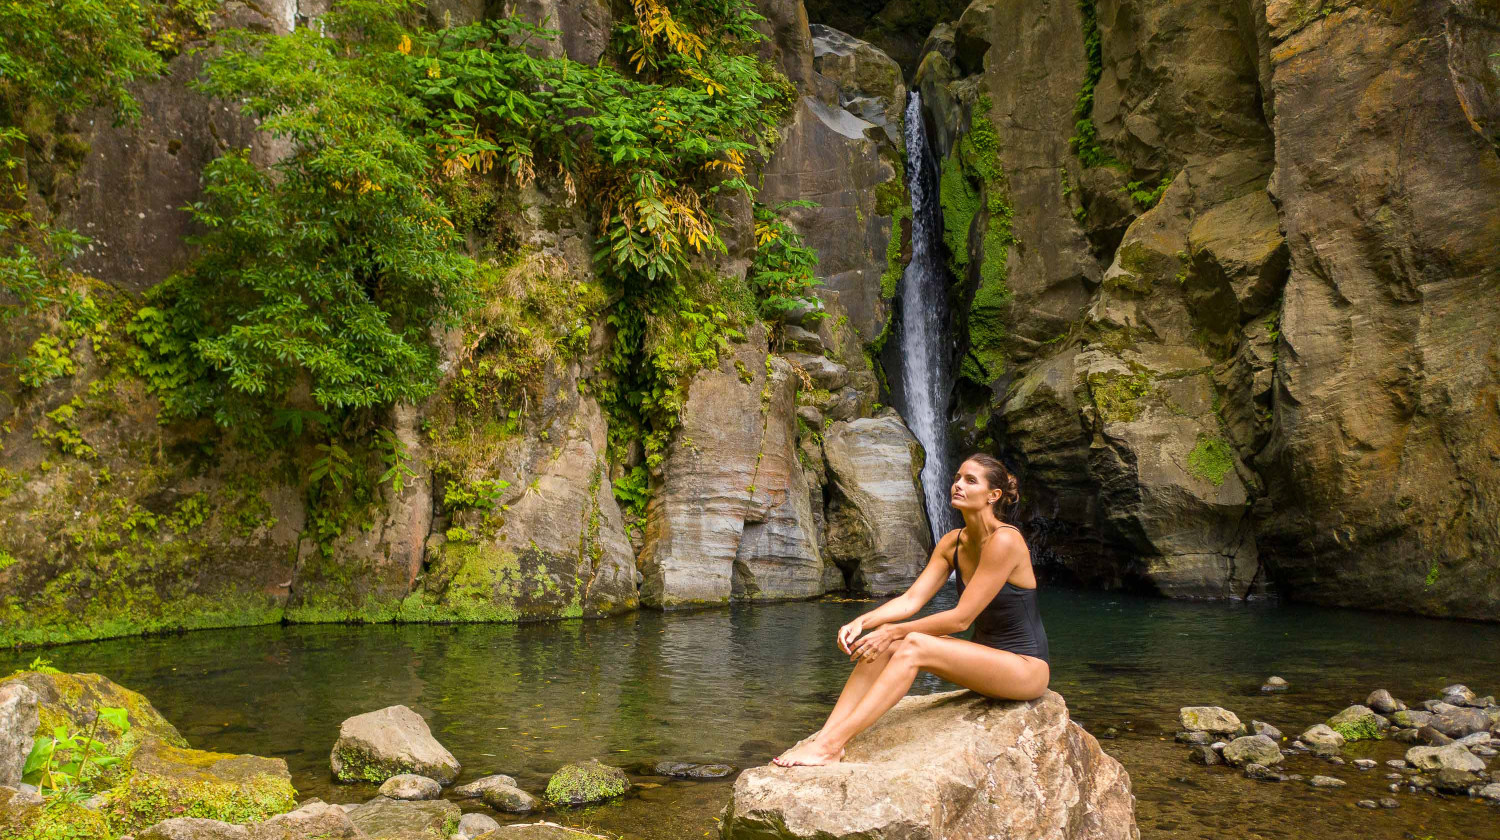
(165, 781)
(73, 701)
(18, 812)
(589, 781)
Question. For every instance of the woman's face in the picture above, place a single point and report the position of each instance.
(971, 490)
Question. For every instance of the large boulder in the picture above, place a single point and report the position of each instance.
(18, 724)
(586, 782)
(73, 701)
(946, 767)
(375, 746)
(877, 526)
(167, 781)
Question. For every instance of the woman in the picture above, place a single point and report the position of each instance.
(996, 592)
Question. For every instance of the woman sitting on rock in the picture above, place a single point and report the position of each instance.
(997, 594)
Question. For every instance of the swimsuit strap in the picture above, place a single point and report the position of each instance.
(954, 561)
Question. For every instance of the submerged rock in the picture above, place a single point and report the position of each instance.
(1262, 773)
(375, 746)
(945, 767)
(538, 831)
(18, 723)
(585, 782)
(394, 819)
(1326, 782)
(1209, 719)
(411, 787)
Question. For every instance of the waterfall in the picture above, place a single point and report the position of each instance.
(925, 376)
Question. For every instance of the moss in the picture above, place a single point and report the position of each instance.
(1117, 395)
(360, 766)
(62, 820)
(145, 798)
(578, 784)
(1362, 729)
(1211, 459)
(477, 582)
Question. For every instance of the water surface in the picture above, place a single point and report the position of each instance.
(739, 684)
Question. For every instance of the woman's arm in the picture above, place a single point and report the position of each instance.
(909, 602)
(997, 560)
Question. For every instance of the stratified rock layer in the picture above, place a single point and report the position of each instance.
(949, 766)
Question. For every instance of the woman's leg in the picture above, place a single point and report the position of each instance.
(995, 673)
(860, 679)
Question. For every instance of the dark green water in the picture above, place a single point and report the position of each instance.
(737, 685)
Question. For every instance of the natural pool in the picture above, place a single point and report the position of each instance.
(737, 685)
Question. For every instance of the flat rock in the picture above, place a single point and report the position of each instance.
(1366, 763)
(476, 788)
(193, 828)
(395, 819)
(585, 782)
(1326, 782)
(1213, 719)
(1252, 749)
(410, 786)
(685, 770)
(1449, 757)
(377, 745)
(946, 767)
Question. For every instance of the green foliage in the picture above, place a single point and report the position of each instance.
(781, 276)
(1211, 459)
(63, 761)
(1085, 139)
(1147, 196)
(633, 491)
(484, 494)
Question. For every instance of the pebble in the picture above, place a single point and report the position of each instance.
(1368, 803)
(1326, 782)
(1387, 802)
(1365, 763)
(1397, 763)
(1335, 760)
(1274, 684)
(1261, 772)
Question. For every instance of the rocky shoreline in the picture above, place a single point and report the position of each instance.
(1452, 742)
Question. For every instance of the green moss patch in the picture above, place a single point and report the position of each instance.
(165, 781)
(589, 781)
(1211, 460)
(1118, 395)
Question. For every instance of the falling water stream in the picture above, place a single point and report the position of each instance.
(924, 356)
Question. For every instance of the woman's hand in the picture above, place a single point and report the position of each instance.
(875, 642)
(849, 632)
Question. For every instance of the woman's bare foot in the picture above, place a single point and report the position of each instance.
(808, 754)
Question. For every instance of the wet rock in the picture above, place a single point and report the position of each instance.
(476, 788)
(1260, 727)
(410, 787)
(1326, 782)
(1213, 719)
(1461, 722)
(1398, 763)
(1450, 757)
(313, 819)
(1459, 694)
(18, 723)
(1322, 739)
(877, 525)
(1490, 792)
(1262, 773)
(966, 749)
(1205, 755)
(1366, 763)
(395, 819)
(193, 828)
(1387, 802)
(585, 782)
(1450, 780)
(1406, 736)
(1336, 761)
(1476, 739)
(684, 770)
(375, 746)
(1432, 737)
(473, 825)
(1381, 701)
(1274, 684)
(1252, 749)
(1368, 803)
(1412, 718)
(1196, 738)
(1356, 723)
(509, 799)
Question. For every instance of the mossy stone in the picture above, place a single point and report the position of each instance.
(585, 782)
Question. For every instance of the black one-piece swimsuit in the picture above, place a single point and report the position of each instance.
(1010, 621)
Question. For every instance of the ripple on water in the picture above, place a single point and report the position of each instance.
(737, 685)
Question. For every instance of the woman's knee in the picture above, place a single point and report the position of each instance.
(912, 648)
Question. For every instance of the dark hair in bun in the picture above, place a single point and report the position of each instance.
(999, 478)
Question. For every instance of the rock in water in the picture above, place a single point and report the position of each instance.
(393, 819)
(476, 788)
(1260, 727)
(1323, 739)
(411, 787)
(508, 799)
(1274, 684)
(1381, 701)
(946, 767)
(1209, 719)
(375, 746)
(1356, 723)
(1450, 757)
(18, 723)
(585, 782)
(1252, 749)
(685, 770)
(538, 831)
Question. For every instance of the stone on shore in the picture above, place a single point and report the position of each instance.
(585, 782)
(395, 819)
(166, 781)
(193, 828)
(1381, 701)
(1322, 739)
(946, 767)
(1252, 749)
(1209, 719)
(375, 746)
(410, 786)
(1449, 757)
(18, 723)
